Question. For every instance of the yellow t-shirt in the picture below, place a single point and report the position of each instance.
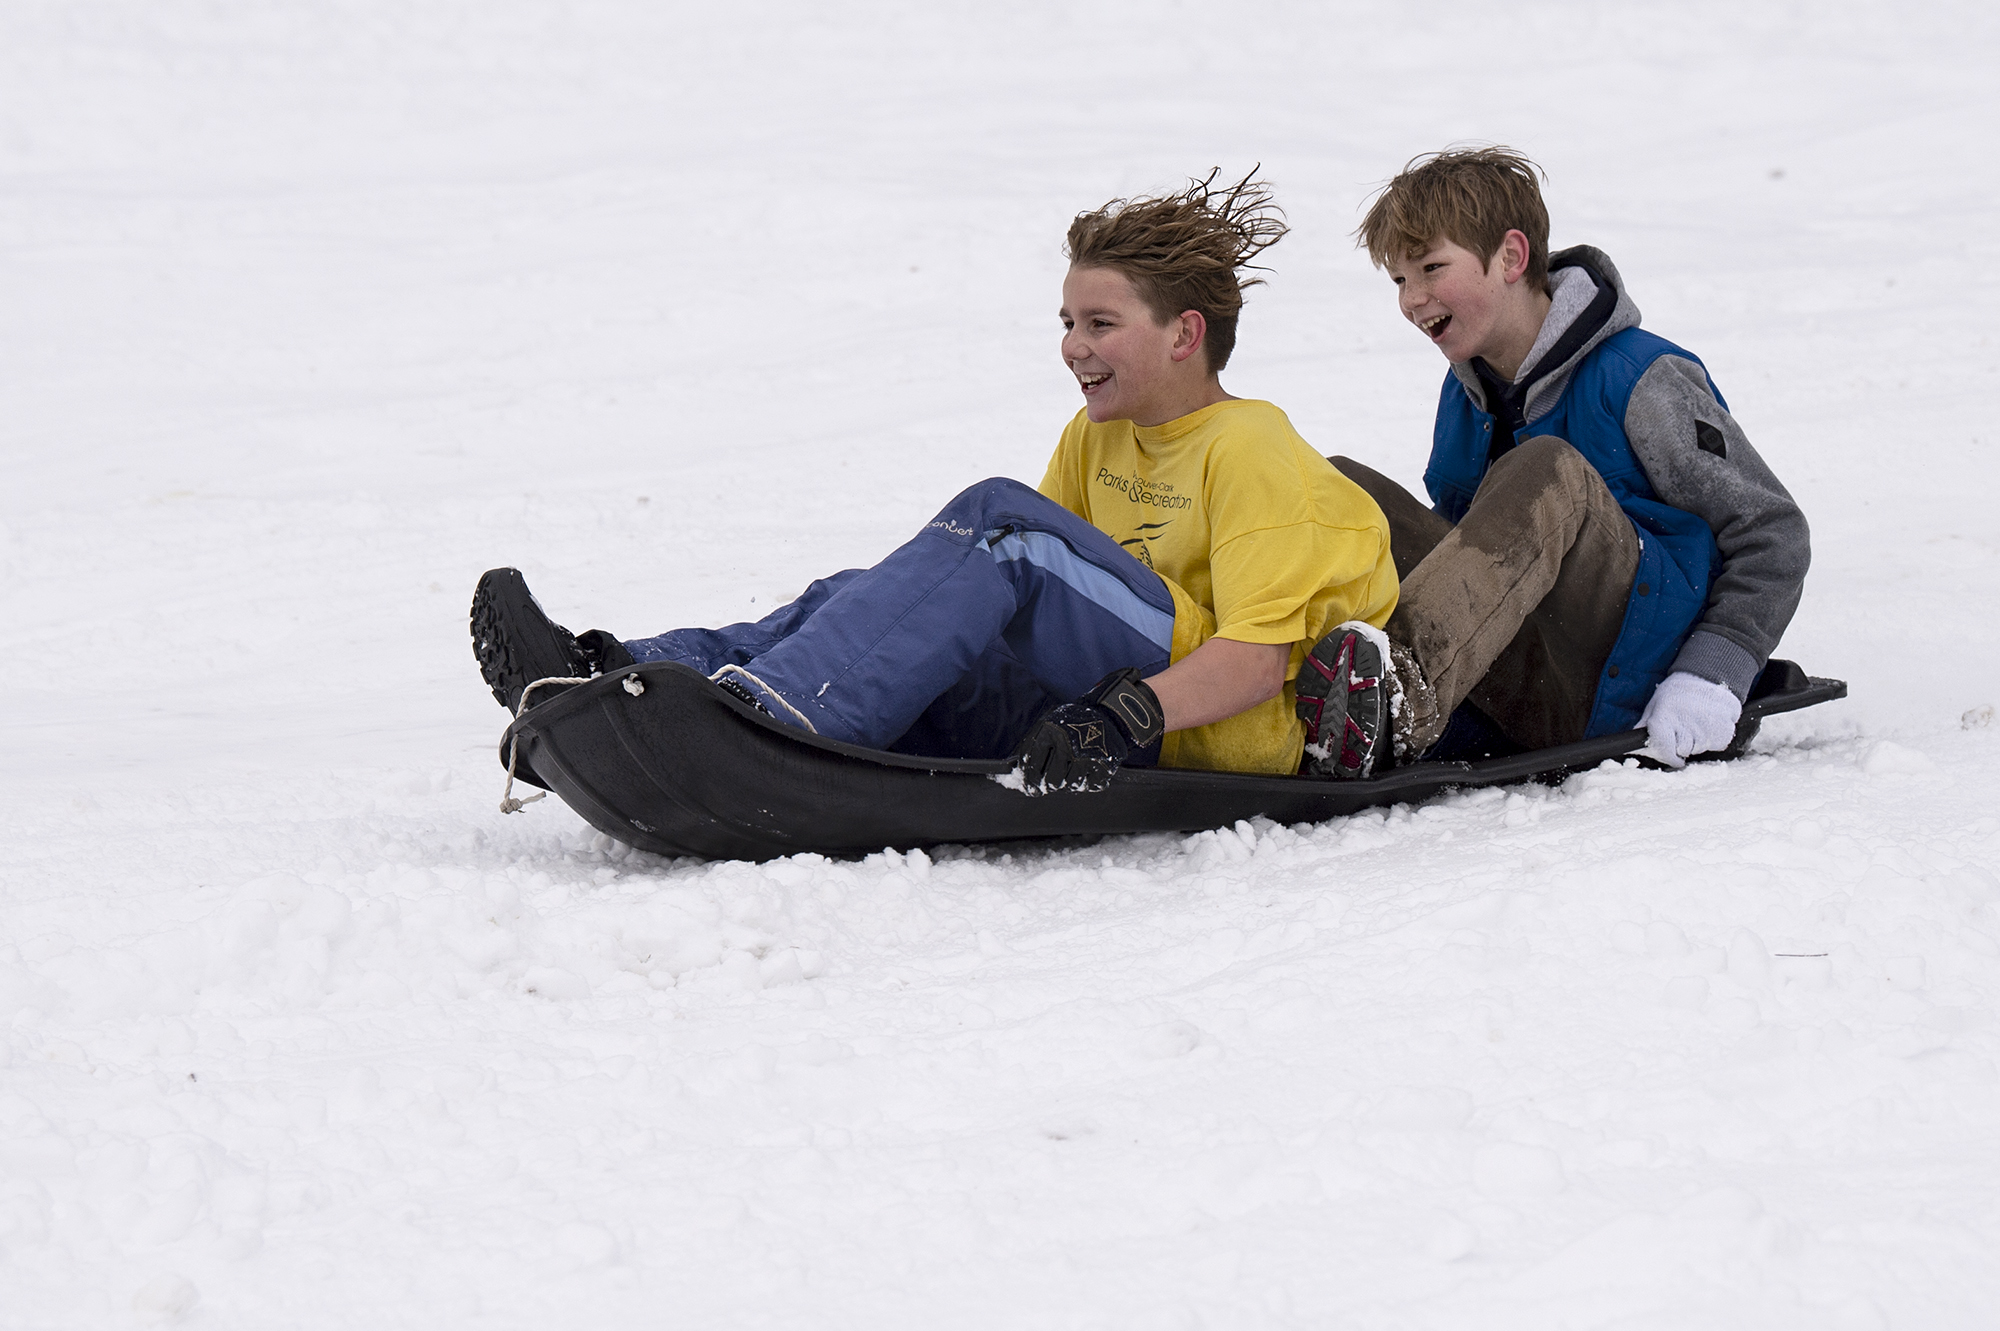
(1257, 536)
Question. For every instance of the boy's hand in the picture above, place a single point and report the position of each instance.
(1075, 746)
(1688, 715)
(1078, 745)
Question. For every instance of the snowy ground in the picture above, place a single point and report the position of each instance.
(315, 310)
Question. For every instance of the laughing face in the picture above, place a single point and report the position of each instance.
(1129, 364)
(1467, 307)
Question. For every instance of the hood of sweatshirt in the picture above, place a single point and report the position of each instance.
(1587, 304)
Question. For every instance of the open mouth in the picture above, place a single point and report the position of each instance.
(1434, 327)
(1091, 382)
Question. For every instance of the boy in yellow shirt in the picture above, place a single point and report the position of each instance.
(1151, 603)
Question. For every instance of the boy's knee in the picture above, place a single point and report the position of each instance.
(995, 496)
(1372, 482)
(1545, 452)
(1546, 465)
(987, 491)
(1358, 472)
(1544, 462)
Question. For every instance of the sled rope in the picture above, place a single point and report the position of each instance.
(508, 804)
(716, 678)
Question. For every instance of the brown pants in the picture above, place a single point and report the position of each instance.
(1517, 607)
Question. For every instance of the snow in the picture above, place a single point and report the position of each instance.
(315, 311)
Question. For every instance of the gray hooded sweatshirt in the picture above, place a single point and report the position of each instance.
(1679, 431)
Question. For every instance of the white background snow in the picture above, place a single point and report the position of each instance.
(310, 312)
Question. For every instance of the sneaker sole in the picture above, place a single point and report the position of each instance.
(503, 607)
(1342, 695)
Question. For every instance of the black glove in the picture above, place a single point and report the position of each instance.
(1078, 745)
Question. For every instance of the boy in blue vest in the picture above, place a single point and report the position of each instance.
(1604, 549)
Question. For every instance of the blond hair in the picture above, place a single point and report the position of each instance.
(1470, 196)
(1185, 251)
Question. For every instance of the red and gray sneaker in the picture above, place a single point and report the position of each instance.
(1344, 690)
(516, 644)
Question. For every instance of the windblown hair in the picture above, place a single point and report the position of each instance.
(1470, 196)
(1185, 251)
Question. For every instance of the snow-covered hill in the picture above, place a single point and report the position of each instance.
(314, 311)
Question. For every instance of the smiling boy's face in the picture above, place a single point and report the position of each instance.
(1458, 301)
(1129, 364)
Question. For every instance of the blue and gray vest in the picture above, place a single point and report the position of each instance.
(1678, 557)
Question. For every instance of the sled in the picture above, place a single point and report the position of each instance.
(659, 758)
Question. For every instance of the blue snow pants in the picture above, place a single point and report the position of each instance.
(1004, 603)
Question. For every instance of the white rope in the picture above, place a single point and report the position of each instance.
(508, 804)
(716, 678)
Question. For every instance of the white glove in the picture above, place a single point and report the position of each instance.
(1688, 714)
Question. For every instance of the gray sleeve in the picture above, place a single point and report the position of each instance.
(1698, 459)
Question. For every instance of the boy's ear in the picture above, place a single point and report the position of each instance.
(1192, 333)
(1512, 256)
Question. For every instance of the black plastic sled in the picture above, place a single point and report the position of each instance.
(659, 758)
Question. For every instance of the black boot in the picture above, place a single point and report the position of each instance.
(516, 644)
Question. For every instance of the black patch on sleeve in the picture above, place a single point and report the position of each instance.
(1709, 439)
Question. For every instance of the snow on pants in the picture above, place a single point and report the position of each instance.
(1003, 604)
